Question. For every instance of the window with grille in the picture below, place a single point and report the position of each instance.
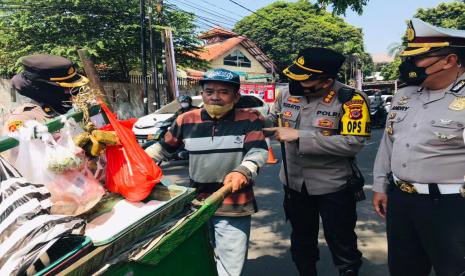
(237, 59)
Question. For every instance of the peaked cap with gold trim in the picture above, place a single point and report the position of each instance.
(55, 70)
(314, 62)
(423, 38)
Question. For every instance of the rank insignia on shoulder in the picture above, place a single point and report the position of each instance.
(329, 97)
(458, 86)
(14, 125)
(457, 104)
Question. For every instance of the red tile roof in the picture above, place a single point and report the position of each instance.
(212, 51)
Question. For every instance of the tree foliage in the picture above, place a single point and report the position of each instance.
(108, 29)
(447, 15)
(340, 6)
(293, 26)
(390, 71)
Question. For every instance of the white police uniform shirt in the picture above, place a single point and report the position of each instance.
(423, 140)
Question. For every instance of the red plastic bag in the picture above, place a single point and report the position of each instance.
(130, 171)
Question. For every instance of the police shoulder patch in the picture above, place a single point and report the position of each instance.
(356, 117)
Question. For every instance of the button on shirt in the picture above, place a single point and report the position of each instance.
(433, 150)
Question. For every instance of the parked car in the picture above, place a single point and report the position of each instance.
(151, 127)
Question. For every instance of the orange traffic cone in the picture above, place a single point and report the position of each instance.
(271, 158)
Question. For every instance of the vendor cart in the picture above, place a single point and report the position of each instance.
(169, 239)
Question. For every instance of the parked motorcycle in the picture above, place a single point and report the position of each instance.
(180, 154)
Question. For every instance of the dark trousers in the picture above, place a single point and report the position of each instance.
(425, 231)
(338, 214)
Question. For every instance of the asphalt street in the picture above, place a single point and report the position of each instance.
(269, 244)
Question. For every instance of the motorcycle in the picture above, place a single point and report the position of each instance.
(180, 154)
(378, 116)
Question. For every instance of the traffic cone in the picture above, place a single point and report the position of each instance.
(271, 158)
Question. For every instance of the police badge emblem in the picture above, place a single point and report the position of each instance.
(457, 104)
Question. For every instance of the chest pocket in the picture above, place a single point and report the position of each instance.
(290, 113)
(446, 132)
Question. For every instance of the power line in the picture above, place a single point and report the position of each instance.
(207, 12)
(209, 20)
(250, 10)
(221, 8)
(205, 9)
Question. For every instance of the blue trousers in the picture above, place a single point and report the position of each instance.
(230, 239)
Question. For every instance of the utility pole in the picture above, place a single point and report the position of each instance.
(143, 56)
(153, 54)
(170, 64)
(163, 51)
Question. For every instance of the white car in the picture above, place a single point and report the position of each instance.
(147, 128)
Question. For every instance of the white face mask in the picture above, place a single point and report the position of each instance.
(184, 105)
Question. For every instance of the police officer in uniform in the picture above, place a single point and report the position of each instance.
(420, 165)
(47, 81)
(325, 125)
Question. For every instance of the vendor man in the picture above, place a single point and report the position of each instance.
(226, 147)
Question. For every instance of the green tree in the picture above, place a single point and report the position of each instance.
(447, 15)
(390, 71)
(293, 26)
(108, 29)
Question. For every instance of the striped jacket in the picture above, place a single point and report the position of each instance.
(217, 147)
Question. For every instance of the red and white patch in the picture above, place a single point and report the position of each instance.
(293, 100)
(325, 123)
(287, 114)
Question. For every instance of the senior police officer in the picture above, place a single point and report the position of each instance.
(420, 165)
(325, 125)
(47, 81)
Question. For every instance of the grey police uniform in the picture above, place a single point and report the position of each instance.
(424, 151)
(423, 141)
(320, 158)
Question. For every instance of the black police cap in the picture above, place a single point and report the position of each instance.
(314, 62)
(53, 69)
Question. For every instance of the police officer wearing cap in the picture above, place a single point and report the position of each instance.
(47, 81)
(420, 165)
(325, 124)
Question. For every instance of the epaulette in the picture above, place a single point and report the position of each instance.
(458, 86)
(345, 94)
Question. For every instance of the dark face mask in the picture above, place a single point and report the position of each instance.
(296, 89)
(411, 74)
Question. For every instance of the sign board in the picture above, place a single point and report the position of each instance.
(264, 91)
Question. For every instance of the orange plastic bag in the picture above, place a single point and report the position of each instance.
(130, 171)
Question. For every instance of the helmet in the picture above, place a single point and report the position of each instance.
(185, 99)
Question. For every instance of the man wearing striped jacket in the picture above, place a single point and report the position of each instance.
(226, 147)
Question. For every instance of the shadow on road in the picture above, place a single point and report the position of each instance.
(269, 246)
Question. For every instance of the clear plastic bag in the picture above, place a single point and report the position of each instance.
(63, 155)
(31, 152)
(74, 192)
